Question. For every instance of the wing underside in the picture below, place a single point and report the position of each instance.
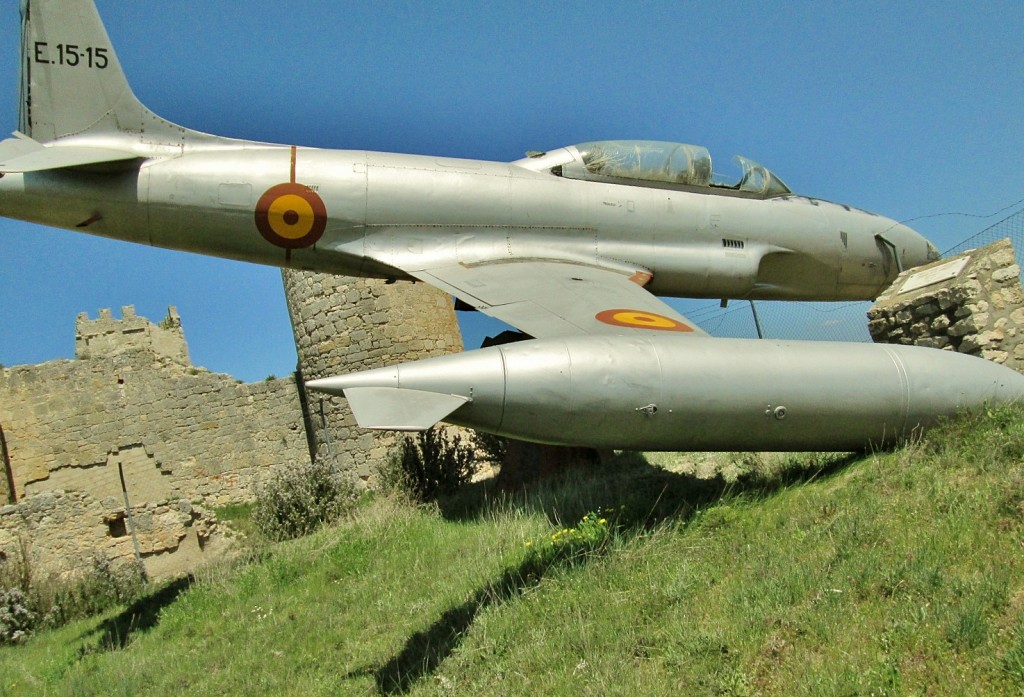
(549, 298)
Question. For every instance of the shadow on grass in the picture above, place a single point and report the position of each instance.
(424, 651)
(648, 494)
(141, 616)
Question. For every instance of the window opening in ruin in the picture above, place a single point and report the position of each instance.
(116, 527)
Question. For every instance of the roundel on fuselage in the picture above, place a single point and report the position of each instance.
(291, 216)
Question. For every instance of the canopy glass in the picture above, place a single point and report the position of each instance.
(673, 163)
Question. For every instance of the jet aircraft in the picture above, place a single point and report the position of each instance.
(571, 246)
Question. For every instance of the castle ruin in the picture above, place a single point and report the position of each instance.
(131, 436)
(132, 408)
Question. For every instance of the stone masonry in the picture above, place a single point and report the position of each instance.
(131, 404)
(344, 325)
(971, 303)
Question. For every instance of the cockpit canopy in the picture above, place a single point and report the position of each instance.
(669, 163)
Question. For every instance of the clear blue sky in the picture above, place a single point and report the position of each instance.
(907, 109)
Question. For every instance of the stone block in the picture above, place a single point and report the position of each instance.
(1012, 295)
(968, 325)
(918, 329)
(1003, 257)
(972, 343)
(936, 342)
(926, 310)
(1006, 275)
(971, 289)
(940, 324)
(994, 355)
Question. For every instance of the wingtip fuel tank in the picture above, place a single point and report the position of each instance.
(655, 392)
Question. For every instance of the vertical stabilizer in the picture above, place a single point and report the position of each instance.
(71, 79)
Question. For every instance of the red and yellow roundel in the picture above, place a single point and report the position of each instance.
(638, 319)
(291, 216)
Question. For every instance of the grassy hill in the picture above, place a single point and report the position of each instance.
(891, 573)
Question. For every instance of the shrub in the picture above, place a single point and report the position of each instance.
(489, 447)
(429, 465)
(17, 620)
(297, 500)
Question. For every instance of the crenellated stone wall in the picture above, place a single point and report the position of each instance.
(971, 303)
(131, 404)
(107, 337)
(184, 440)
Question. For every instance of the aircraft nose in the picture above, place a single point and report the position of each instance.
(911, 247)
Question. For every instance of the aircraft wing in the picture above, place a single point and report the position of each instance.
(551, 299)
(22, 154)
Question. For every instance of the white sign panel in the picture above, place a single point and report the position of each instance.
(936, 274)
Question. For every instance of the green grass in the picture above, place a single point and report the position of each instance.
(238, 517)
(887, 574)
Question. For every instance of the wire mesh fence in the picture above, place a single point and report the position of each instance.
(821, 321)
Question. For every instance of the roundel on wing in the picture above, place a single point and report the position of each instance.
(291, 216)
(638, 319)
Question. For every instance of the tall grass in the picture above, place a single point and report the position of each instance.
(890, 573)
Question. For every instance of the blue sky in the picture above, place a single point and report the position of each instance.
(907, 109)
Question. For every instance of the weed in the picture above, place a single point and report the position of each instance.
(1013, 662)
(238, 517)
(104, 585)
(591, 534)
(29, 602)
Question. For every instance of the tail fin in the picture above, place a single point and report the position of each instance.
(72, 82)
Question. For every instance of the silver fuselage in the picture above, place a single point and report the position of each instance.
(390, 214)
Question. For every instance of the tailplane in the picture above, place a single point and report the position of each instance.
(72, 83)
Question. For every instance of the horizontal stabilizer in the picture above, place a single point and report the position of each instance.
(27, 155)
(394, 409)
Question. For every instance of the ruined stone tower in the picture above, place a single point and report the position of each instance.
(343, 325)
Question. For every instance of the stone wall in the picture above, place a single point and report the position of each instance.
(344, 325)
(131, 405)
(971, 303)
